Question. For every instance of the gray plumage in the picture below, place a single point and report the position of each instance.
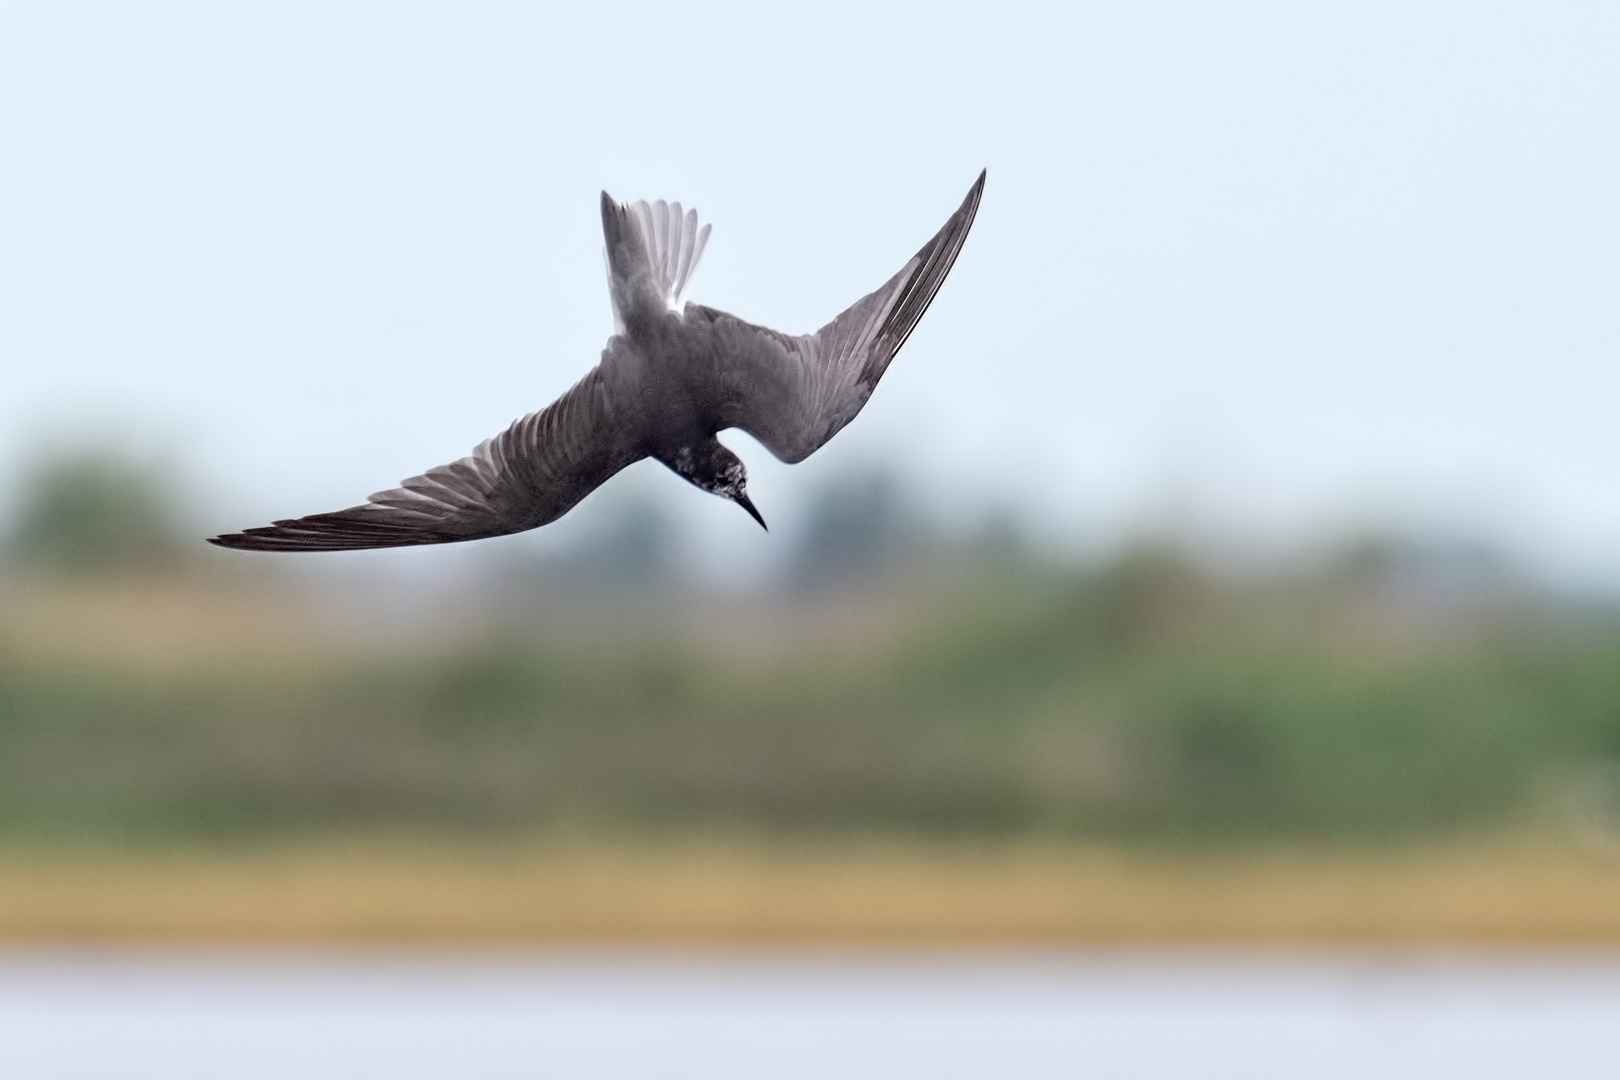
(671, 377)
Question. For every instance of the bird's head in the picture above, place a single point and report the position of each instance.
(718, 471)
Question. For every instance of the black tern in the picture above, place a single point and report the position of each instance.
(672, 376)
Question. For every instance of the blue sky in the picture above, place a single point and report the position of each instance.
(1278, 270)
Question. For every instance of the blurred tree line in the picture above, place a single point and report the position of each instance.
(99, 513)
(1390, 690)
(96, 513)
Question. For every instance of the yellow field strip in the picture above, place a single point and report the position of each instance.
(738, 894)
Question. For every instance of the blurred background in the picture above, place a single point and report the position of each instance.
(1232, 554)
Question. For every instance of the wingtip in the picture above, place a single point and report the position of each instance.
(970, 204)
(262, 539)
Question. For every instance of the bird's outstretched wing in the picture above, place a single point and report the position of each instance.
(795, 393)
(528, 475)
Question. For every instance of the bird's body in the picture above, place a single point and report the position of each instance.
(671, 377)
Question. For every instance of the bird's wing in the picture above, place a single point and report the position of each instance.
(530, 474)
(795, 393)
(652, 250)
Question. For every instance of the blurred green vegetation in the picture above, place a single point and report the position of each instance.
(96, 513)
(889, 685)
(1144, 699)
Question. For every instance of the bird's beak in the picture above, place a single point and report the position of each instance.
(747, 504)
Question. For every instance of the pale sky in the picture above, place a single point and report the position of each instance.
(1279, 269)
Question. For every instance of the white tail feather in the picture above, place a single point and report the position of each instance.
(674, 243)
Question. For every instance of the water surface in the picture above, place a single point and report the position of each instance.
(558, 1014)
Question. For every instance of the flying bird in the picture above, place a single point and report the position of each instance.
(672, 376)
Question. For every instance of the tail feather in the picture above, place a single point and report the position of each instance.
(659, 242)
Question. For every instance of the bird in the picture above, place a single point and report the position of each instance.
(673, 375)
